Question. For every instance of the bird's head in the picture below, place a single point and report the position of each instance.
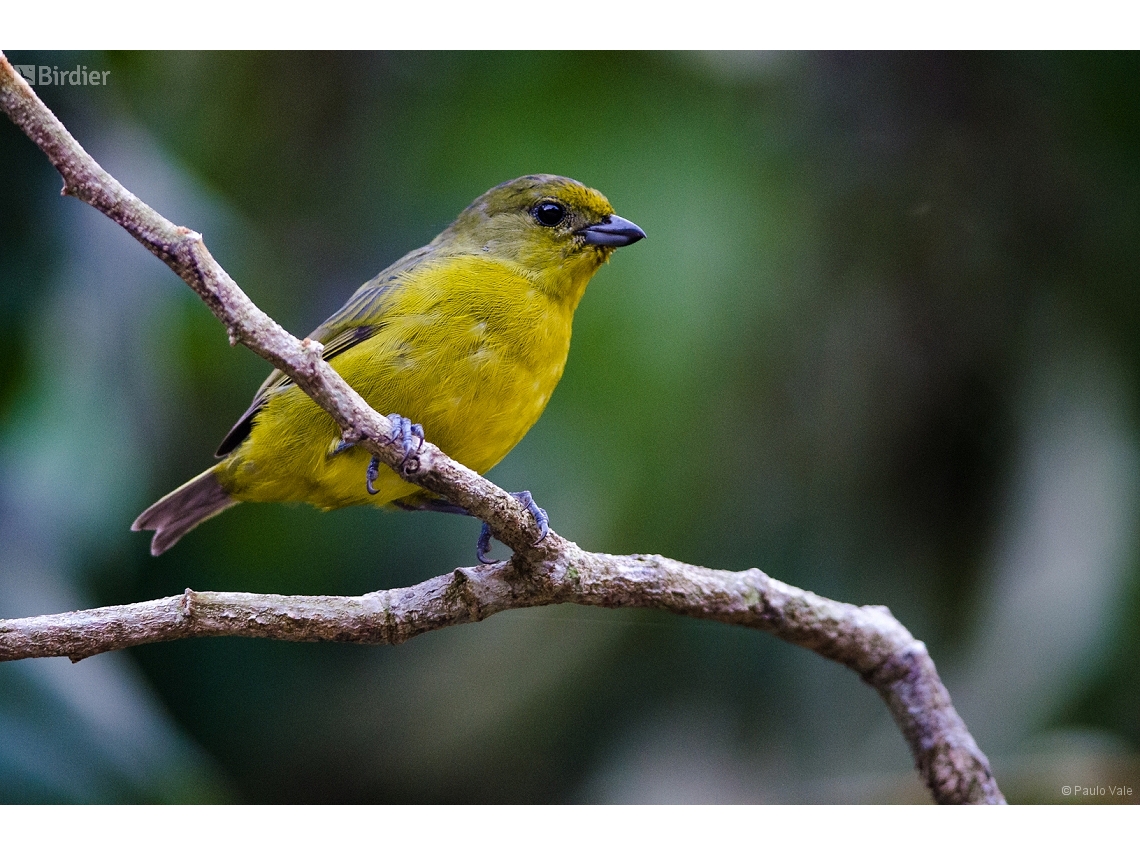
(556, 230)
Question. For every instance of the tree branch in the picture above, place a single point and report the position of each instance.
(866, 639)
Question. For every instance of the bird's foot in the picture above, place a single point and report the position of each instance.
(404, 431)
(483, 547)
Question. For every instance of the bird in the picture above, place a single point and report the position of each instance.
(462, 340)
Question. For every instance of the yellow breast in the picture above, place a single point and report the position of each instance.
(469, 347)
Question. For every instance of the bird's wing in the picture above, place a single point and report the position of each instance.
(357, 320)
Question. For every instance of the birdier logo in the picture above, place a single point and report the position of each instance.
(51, 75)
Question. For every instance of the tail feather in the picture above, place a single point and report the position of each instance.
(176, 513)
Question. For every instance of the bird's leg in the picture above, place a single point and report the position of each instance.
(483, 546)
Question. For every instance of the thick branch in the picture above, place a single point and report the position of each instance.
(866, 639)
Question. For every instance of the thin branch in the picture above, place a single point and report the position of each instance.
(866, 639)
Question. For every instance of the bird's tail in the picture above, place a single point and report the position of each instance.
(176, 513)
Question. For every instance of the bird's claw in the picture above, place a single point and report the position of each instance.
(372, 474)
(409, 434)
(541, 518)
(483, 546)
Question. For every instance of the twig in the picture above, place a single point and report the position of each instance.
(866, 639)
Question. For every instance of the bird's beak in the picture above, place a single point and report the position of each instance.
(612, 231)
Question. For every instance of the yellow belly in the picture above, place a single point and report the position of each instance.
(476, 369)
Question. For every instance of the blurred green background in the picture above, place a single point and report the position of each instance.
(880, 342)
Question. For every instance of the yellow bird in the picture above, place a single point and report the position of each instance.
(462, 340)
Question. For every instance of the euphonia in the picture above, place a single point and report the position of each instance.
(462, 340)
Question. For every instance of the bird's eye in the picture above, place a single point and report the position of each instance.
(548, 214)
